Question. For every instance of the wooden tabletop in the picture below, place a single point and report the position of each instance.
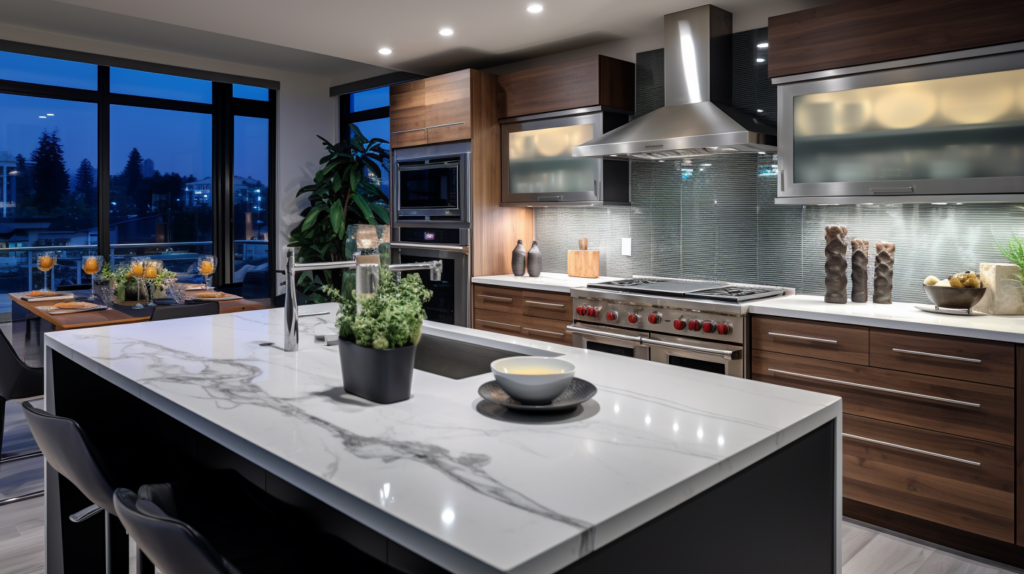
(116, 315)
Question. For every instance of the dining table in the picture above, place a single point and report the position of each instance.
(30, 320)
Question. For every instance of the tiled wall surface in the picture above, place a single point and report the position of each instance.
(722, 223)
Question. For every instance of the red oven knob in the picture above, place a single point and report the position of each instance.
(694, 325)
(653, 319)
(592, 312)
(612, 315)
(579, 310)
(679, 324)
(709, 327)
(633, 318)
(724, 329)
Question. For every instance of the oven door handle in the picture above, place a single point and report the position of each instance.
(630, 338)
(432, 246)
(725, 354)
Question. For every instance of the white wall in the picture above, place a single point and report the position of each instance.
(305, 110)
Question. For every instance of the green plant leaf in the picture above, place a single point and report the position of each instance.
(338, 216)
(381, 212)
(311, 218)
(364, 208)
(336, 183)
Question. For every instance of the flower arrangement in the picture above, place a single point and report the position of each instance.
(390, 318)
(125, 284)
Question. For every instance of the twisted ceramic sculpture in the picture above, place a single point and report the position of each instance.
(859, 271)
(835, 264)
(884, 260)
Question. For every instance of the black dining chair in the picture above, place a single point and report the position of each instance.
(228, 526)
(166, 312)
(70, 452)
(17, 381)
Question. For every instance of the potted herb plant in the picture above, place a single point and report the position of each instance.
(378, 335)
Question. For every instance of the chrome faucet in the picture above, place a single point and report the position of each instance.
(365, 273)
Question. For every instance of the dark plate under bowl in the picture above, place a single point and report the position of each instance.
(577, 393)
(954, 297)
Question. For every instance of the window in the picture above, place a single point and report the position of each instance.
(47, 71)
(151, 85)
(47, 189)
(370, 112)
(162, 189)
(160, 185)
(251, 232)
(250, 93)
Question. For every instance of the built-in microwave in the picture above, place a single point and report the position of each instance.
(538, 168)
(431, 183)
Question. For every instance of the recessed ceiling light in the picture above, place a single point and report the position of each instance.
(51, 115)
(384, 51)
(759, 60)
(535, 8)
(763, 45)
(760, 111)
(615, 155)
(446, 32)
(42, 117)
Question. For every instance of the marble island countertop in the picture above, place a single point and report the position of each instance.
(556, 282)
(471, 487)
(900, 316)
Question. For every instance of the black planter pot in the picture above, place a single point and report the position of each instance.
(382, 376)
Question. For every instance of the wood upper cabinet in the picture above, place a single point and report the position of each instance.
(593, 81)
(858, 32)
(432, 110)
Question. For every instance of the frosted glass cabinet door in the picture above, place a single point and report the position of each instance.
(540, 161)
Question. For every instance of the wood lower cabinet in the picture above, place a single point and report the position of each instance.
(929, 422)
(538, 315)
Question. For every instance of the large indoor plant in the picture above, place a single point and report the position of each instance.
(346, 191)
(378, 335)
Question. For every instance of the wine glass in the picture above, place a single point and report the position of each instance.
(151, 269)
(45, 262)
(206, 265)
(91, 265)
(138, 272)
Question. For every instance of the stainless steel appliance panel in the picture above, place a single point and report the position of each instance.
(451, 295)
(431, 183)
(623, 342)
(707, 356)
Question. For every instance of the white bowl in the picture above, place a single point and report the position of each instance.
(533, 380)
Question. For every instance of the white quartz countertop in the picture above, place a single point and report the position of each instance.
(469, 486)
(901, 316)
(557, 282)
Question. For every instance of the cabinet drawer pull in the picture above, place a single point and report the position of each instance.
(917, 450)
(445, 125)
(409, 131)
(937, 356)
(506, 326)
(542, 304)
(805, 338)
(496, 299)
(551, 334)
(883, 389)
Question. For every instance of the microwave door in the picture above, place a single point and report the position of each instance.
(429, 189)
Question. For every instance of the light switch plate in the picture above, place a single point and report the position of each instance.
(627, 246)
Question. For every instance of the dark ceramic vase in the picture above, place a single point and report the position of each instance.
(382, 376)
(534, 261)
(519, 260)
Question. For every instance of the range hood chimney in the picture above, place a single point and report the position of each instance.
(698, 62)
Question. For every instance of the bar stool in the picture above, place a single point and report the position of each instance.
(17, 381)
(241, 534)
(70, 452)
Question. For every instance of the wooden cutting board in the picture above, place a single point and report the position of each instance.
(584, 263)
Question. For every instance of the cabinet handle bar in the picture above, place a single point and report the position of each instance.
(917, 450)
(883, 389)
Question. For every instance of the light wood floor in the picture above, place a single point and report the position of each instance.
(866, 550)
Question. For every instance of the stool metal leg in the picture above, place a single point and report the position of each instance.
(143, 565)
(117, 545)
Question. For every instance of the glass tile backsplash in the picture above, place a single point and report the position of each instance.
(716, 218)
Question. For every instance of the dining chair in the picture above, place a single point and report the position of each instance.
(17, 381)
(166, 312)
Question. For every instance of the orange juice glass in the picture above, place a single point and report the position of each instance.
(91, 265)
(206, 265)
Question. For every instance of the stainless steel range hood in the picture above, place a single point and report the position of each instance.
(697, 74)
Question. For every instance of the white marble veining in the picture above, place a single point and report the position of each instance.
(902, 316)
(469, 487)
(556, 282)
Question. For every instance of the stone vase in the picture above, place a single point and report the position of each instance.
(1004, 293)
(884, 259)
(534, 261)
(519, 259)
(835, 264)
(859, 271)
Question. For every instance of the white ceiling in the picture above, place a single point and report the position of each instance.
(487, 32)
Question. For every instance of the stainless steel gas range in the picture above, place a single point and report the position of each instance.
(696, 324)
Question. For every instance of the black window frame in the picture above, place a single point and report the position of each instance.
(347, 117)
(223, 110)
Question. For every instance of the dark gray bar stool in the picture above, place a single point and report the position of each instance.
(68, 450)
(17, 381)
(164, 313)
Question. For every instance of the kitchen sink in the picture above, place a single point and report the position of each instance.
(456, 359)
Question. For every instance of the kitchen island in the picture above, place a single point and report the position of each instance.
(665, 468)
